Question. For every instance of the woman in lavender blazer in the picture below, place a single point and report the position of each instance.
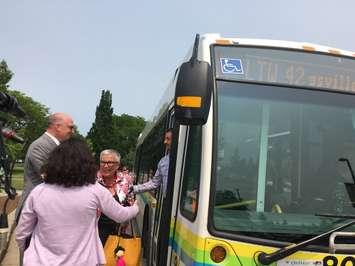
(60, 215)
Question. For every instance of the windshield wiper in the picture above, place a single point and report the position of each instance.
(267, 259)
(335, 216)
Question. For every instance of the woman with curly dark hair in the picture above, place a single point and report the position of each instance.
(60, 215)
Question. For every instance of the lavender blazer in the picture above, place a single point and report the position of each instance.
(63, 224)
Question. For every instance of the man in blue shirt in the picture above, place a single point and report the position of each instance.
(161, 175)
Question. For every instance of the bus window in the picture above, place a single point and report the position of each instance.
(150, 153)
(191, 177)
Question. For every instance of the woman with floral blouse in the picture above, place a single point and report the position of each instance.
(118, 183)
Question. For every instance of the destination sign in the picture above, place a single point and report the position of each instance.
(286, 67)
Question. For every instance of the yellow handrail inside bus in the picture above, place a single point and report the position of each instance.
(236, 204)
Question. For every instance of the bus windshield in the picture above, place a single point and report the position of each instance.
(277, 160)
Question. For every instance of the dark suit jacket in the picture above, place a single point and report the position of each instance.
(36, 157)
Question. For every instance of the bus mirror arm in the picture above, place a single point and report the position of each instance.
(193, 58)
(282, 253)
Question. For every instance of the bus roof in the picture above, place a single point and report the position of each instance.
(217, 39)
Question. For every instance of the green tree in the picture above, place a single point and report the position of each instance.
(110, 131)
(30, 127)
(5, 75)
(127, 129)
(101, 134)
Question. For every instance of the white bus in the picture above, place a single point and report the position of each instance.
(260, 167)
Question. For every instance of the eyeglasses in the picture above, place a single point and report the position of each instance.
(109, 163)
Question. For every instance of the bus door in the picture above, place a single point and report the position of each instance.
(187, 183)
(160, 234)
(157, 219)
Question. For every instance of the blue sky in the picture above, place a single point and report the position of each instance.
(64, 52)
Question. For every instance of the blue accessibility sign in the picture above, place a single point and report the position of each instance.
(231, 66)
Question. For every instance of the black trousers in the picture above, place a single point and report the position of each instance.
(106, 229)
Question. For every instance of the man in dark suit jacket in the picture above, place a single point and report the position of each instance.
(60, 127)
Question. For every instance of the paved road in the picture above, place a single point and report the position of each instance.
(12, 255)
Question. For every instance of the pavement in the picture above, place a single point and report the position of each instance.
(12, 253)
(9, 254)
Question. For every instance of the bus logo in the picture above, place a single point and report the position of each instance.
(231, 66)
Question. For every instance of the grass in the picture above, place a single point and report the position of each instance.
(17, 177)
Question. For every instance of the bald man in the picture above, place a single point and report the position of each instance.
(60, 127)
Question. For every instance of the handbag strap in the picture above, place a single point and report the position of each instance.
(117, 245)
(132, 229)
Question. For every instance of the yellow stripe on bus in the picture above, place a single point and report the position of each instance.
(241, 249)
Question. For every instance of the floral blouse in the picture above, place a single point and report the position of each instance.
(120, 187)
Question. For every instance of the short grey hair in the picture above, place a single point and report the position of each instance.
(111, 152)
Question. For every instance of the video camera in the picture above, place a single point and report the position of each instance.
(8, 104)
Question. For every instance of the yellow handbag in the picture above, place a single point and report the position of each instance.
(131, 245)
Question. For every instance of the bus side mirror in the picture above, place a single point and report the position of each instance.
(193, 91)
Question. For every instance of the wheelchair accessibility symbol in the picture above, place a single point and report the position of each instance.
(231, 66)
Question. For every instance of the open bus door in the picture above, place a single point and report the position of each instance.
(182, 193)
(161, 225)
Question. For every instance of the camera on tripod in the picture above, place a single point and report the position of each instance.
(8, 104)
